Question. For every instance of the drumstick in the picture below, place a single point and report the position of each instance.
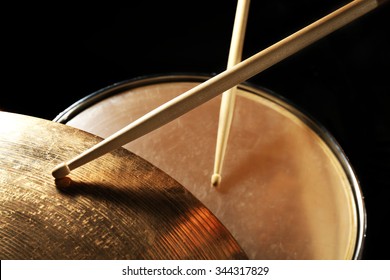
(222, 82)
(229, 96)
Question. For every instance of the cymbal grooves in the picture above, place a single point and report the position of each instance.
(117, 207)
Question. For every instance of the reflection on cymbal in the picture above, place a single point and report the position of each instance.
(117, 207)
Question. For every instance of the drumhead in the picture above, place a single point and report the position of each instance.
(289, 191)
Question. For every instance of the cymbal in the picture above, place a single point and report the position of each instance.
(117, 207)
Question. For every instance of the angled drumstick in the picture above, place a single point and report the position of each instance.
(222, 82)
(229, 96)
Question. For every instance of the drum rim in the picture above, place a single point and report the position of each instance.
(285, 103)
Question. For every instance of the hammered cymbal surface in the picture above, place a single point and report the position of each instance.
(118, 206)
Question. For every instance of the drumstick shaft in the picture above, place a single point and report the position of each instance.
(229, 96)
(221, 82)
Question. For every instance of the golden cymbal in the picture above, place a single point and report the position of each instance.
(116, 207)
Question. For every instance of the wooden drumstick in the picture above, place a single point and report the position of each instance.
(222, 82)
(229, 96)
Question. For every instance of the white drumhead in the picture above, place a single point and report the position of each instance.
(287, 191)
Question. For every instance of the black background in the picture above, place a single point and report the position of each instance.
(53, 55)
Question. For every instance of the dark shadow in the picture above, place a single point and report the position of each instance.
(169, 202)
(174, 221)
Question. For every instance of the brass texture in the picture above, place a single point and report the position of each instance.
(116, 207)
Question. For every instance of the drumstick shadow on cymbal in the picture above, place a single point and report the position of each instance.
(222, 82)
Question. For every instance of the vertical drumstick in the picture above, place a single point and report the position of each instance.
(229, 96)
(222, 82)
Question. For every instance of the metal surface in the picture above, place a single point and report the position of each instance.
(116, 207)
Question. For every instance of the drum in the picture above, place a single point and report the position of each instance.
(288, 191)
(116, 207)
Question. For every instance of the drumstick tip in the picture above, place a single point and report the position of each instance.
(215, 180)
(60, 171)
